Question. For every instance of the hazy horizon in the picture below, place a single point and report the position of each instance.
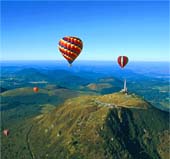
(84, 60)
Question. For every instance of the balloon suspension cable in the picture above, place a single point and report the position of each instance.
(70, 65)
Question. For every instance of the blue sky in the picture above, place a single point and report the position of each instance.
(31, 30)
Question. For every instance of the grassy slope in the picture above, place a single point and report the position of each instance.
(17, 107)
(24, 102)
(84, 128)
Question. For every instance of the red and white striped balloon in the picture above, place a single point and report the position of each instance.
(122, 61)
(70, 47)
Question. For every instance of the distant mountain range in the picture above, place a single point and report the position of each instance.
(101, 79)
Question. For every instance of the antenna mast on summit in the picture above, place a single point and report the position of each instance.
(125, 88)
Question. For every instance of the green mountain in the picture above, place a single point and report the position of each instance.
(114, 126)
(30, 74)
(105, 85)
(22, 103)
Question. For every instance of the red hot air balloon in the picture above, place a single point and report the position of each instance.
(70, 47)
(35, 89)
(122, 61)
(6, 132)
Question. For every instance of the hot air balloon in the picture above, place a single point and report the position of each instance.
(70, 47)
(6, 132)
(35, 89)
(122, 61)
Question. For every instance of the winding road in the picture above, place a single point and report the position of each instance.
(28, 144)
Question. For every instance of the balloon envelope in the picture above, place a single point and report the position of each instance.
(6, 132)
(122, 61)
(70, 47)
(35, 89)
